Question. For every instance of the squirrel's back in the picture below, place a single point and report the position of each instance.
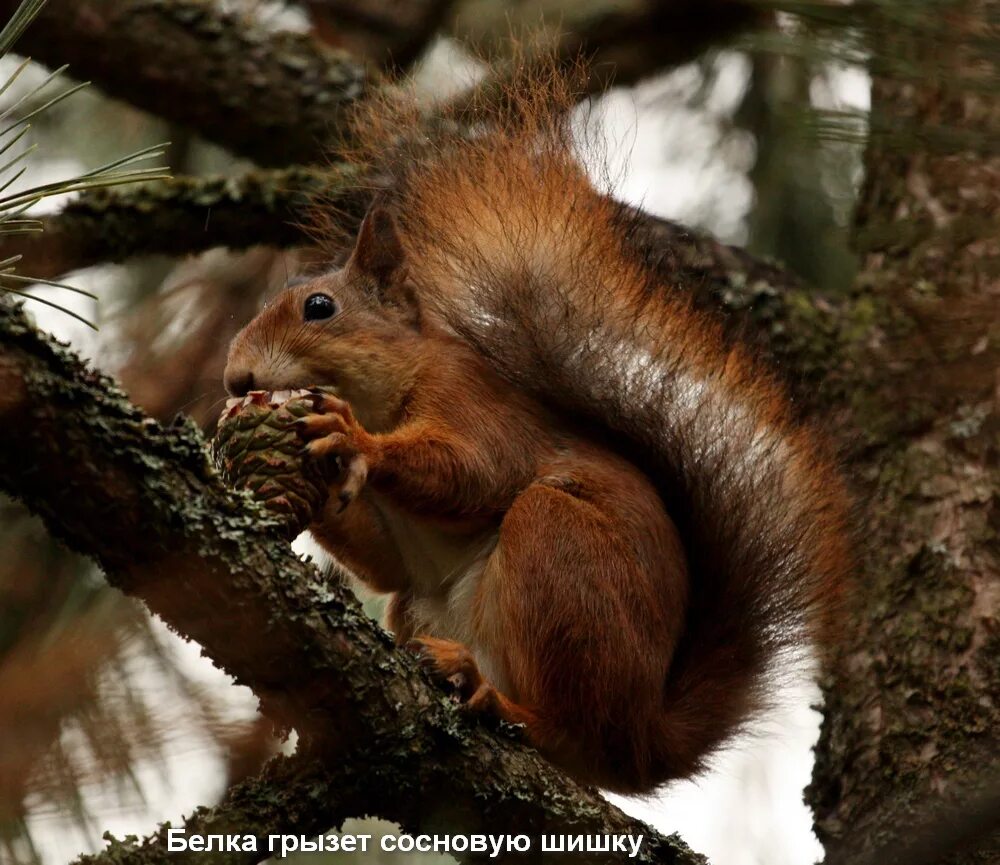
(510, 245)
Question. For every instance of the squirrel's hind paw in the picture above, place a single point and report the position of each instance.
(452, 663)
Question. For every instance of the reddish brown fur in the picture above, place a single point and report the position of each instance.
(596, 517)
(579, 529)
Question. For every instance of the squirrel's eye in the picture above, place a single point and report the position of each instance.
(319, 307)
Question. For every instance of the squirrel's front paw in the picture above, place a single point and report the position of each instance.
(334, 435)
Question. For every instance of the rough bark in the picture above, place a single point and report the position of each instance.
(290, 796)
(143, 500)
(276, 98)
(912, 714)
(186, 215)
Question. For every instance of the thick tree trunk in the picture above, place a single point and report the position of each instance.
(912, 715)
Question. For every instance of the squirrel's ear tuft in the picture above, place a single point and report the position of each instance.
(379, 252)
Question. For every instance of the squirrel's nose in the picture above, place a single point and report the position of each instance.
(239, 382)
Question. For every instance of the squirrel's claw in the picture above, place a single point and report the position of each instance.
(354, 466)
(330, 415)
(451, 663)
(334, 444)
(317, 425)
(333, 434)
(326, 404)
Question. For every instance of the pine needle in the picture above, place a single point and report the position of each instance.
(15, 205)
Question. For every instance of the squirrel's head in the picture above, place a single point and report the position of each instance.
(353, 330)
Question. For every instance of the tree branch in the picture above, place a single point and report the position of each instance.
(292, 795)
(624, 42)
(765, 303)
(186, 215)
(278, 98)
(143, 500)
(388, 32)
(627, 47)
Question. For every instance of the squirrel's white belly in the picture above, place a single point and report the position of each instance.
(444, 570)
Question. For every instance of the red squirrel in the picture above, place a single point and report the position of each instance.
(592, 513)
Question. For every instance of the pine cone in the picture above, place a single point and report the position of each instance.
(257, 447)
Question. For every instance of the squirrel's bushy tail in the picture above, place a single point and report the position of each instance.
(514, 249)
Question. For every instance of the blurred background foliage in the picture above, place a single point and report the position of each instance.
(105, 718)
